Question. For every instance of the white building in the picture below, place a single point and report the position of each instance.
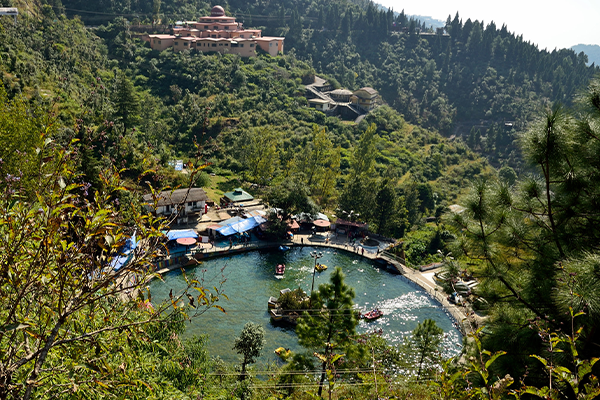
(179, 204)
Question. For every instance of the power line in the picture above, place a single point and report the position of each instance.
(300, 372)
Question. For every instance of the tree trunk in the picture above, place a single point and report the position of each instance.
(322, 378)
(243, 375)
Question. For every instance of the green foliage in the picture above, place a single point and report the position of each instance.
(20, 128)
(423, 246)
(74, 317)
(536, 242)
(259, 154)
(507, 175)
(319, 166)
(331, 322)
(357, 194)
(127, 106)
(293, 301)
(569, 375)
(38, 62)
(249, 344)
(292, 197)
(425, 346)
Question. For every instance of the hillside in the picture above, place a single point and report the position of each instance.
(479, 82)
(92, 117)
(226, 104)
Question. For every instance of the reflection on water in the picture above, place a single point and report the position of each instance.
(250, 281)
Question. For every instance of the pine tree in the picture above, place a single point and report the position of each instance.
(538, 243)
(358, 194)
(425, 344)
(331, 322)
(127, 103)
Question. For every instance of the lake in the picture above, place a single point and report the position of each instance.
(249, 281)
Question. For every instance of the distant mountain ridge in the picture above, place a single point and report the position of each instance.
(591, 50)
(429, 21)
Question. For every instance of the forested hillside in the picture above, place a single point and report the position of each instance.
(250, 117)
(90, 118)
(479, 80)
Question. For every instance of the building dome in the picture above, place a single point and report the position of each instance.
(341, 92)
(217, 11)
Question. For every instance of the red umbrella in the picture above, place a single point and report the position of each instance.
(321, 223)
(186, 241)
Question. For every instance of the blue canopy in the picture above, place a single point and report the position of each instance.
(125, 253)
(118, 262)
(181, 233)
(241, 226)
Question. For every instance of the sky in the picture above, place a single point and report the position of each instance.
(550, 24)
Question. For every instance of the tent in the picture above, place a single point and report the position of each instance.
(180, 233)
(125, 253)
(308, 217)
(241, 226)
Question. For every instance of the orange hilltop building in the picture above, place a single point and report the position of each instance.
(219, 33)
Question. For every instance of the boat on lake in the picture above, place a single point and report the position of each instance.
(279, 271)
(321, 267)
(284, 248)
(372, 315)
(283, 353)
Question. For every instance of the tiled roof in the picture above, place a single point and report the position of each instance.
(369, 90)
(178, 196)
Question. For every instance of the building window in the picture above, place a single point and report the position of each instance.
(241, 36)
(227, 44)
(251, 44)
(205, 26)
(159, 42)
(220, 44)
(242, 45)
(176, 43)
(215, 28)
(270, 44)
(185, 44)
(214, 45)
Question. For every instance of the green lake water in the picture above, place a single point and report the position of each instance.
(249, 281)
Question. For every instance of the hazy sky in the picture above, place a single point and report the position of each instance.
(549, 24)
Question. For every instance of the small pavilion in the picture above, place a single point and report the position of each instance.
(236, 196)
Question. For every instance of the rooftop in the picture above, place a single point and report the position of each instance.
(369, 90)
(217, 11)
(341, 92)
(238, 195)
(178, 196)
(162, 36)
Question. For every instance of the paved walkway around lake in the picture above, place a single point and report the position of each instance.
(465, 319)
